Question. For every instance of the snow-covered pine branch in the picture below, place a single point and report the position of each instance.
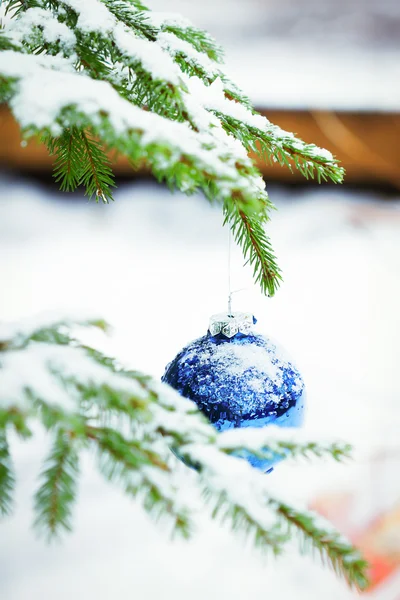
(118, 77)
(89, 402)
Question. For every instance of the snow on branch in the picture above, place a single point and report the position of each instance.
(251, 506)
(37, 25)
(96, 102)
(150, 86)
(88, 401)
(283, 442)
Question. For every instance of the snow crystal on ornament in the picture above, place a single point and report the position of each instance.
(242, 381)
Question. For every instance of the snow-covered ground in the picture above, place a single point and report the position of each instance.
(155, 265)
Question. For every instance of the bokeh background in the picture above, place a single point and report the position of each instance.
(155, 265)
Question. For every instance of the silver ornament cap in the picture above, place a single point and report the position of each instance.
(231, 324)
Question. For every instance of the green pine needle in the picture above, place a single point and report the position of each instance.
(266, 539)
(57, 493)
(130, 463)
(249, 233)
(96, 175)
(7, 480)
(333, 548)
(68, 151)
(81, 160)
(286, 449)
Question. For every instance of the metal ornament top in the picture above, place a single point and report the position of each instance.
(231, 324)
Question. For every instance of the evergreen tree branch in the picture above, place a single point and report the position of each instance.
(142, 474)
(276, 441)
(283, 147)
(247, 511)
(131, 422)
(68, 151)
(266, 537)
(248, 232)
(7, 479)
(333, 548)
(96, 176)
(125, 48)
(56, 495)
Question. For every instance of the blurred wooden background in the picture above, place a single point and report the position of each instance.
(366, 144)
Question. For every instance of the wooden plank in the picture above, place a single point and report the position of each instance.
(366, 143)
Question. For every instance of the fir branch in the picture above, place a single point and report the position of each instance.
(96, 175)
(130, 464)
(94, 58)
(56, 495)
(140, 21)
(132, 421)
(243, 508)
(14, 417)
(199, 39)
(7, 479)
(224, 175)
(134, 15)
(248, 232)
(247, 511)
(265, 538)
(333, 548)
(284, 148)
(273, 441)
(81, 160)
(68, 151)
(125, 455)
(162, 507)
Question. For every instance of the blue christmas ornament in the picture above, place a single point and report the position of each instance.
(239, 378)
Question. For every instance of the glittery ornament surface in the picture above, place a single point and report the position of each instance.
(243, 381)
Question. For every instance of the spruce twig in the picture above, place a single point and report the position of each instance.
(333, 548)
(56, 495)
(7, 480)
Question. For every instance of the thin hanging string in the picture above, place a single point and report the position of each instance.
(230, 292)
(229, 273)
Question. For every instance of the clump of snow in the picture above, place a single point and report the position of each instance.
(22, 28)
(175, 45)
(151, 55)
(163, 19)
(313, 151)
(92, 15)
(238, 359)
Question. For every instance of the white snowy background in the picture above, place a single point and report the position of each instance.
(155, 265)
